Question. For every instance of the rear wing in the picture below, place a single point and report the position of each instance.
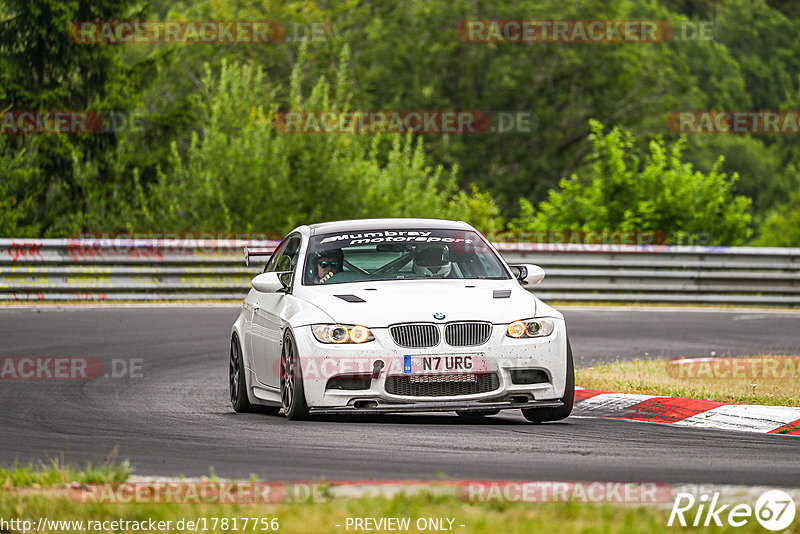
(255, 253)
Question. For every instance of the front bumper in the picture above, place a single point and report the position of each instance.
(500, 355)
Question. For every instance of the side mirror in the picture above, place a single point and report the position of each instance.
(269, 282)
(528, 274)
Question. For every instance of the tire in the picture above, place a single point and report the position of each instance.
(478, 415)
(237, 380)
(238, 387)
(542, 415)
(293, 396)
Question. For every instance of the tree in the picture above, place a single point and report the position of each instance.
(241, 174)
(41, 69)
(17, 176)
(781, 225)
(562, 84)
(623, 189)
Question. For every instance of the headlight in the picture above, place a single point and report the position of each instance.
(530, 328)
(340, 333)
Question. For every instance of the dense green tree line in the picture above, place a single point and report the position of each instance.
(209, 157)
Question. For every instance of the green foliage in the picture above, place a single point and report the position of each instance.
(765, 176)
(477, 208)
(41, 69)
(16, 179)
(210, 157)
(623, 190)
(770, 69)
(239, 173)
(564, 85)
(781, 225)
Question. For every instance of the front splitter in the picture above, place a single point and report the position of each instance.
(470, 406)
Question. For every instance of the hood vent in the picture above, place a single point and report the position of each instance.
(350, 298)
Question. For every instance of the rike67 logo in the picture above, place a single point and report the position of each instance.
(774, 510)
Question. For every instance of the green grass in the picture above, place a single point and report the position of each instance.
(319, 518)
(21, 499)
(43, 475)
(653, 377)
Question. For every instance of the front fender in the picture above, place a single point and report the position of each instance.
(301, 312)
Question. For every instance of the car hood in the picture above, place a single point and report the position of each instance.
(391, 302)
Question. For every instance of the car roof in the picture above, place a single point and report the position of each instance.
(383, 224)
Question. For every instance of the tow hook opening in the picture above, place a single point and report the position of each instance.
(377, 367)
(365, 404)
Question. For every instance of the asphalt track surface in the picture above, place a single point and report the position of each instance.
(176, 419)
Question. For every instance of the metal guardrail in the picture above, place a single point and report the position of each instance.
(94, 269)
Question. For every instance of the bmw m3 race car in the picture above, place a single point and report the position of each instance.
(397, 315)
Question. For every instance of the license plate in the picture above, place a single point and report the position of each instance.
(440, 364)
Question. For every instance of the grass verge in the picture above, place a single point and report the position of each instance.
(765, 380)
(53, 474)
(332, 516)
(40, 495)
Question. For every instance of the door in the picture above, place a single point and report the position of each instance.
(252, 332)
(269, 309)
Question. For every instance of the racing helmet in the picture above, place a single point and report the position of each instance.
(432, 261)
(336, 253)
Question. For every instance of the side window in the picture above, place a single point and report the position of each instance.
(289, 256)
(270, 266)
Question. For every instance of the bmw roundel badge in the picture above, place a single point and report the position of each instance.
(438, 316)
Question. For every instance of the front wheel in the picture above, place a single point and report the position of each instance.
(541, 415)
(237, 383)
(293, 396)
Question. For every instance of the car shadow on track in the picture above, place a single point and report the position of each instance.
(420, 419)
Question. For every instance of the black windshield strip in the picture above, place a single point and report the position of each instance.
(471, 256)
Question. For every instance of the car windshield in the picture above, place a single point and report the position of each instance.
(400, 254)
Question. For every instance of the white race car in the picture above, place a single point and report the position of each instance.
(397, 315)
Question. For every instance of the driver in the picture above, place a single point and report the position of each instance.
(326, 264)
(432, 261)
